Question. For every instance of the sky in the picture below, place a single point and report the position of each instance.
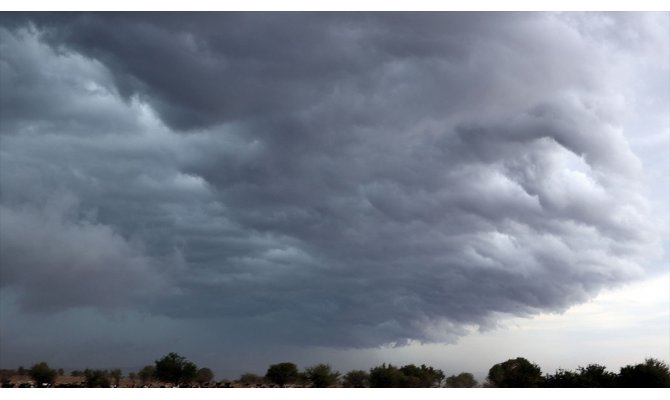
(453, 189)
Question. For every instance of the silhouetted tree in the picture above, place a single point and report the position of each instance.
(204, 375)
(591, 376)
(250, 379)
(650, 374)
(301, 380)
(562, 379)
(408, 376)
(282, 374)
(76, 373)
(421, 377)
(462, 380)
(97, 378)
(321, 376)
(596, 376)
(42, 374)
(386, 376)
(146, 374)
(116, 376)
(133, 378)
(515, 373)
(175, 369)
(356, 379)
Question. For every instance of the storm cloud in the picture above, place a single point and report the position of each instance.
(345, 180)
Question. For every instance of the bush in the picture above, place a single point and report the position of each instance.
(356, 379)
(249, 379)
(462, 380)
(321, 376)
(175, 369)
(42, 374)
(97, 378)
(515, 373)
(282, 374)
(203, 376)
(650, 374)
(385, 376)
(146, 374)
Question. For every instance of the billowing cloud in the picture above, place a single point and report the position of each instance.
(346, 180)
(56, 261)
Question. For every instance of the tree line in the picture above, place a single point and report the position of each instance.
(176, 371)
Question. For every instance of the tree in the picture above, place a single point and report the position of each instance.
(301, 380)
(146, 374)
(562, 379)
(462, 380)
(96, 378)
(591, 376)
(250, 379)
(515, 373)
(321, 376)
(408, 376)
(116, 375)
(385, 376)
(76, 373)
(356, 379)
(204, 375)
(175, 369)
(282, 373)
(595, 376)
(133, 378)
(421, 377)
(42, 374)
(650, 374)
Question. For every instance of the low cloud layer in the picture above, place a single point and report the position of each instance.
(345, 180)
(57, 263)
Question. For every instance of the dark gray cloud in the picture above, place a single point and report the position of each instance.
(345, 180)
(57, 262)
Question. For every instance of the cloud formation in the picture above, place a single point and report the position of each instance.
(57, 263)
(346, 180)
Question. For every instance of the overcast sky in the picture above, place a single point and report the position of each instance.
(244, 189)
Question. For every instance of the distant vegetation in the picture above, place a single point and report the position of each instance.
(174, 370)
